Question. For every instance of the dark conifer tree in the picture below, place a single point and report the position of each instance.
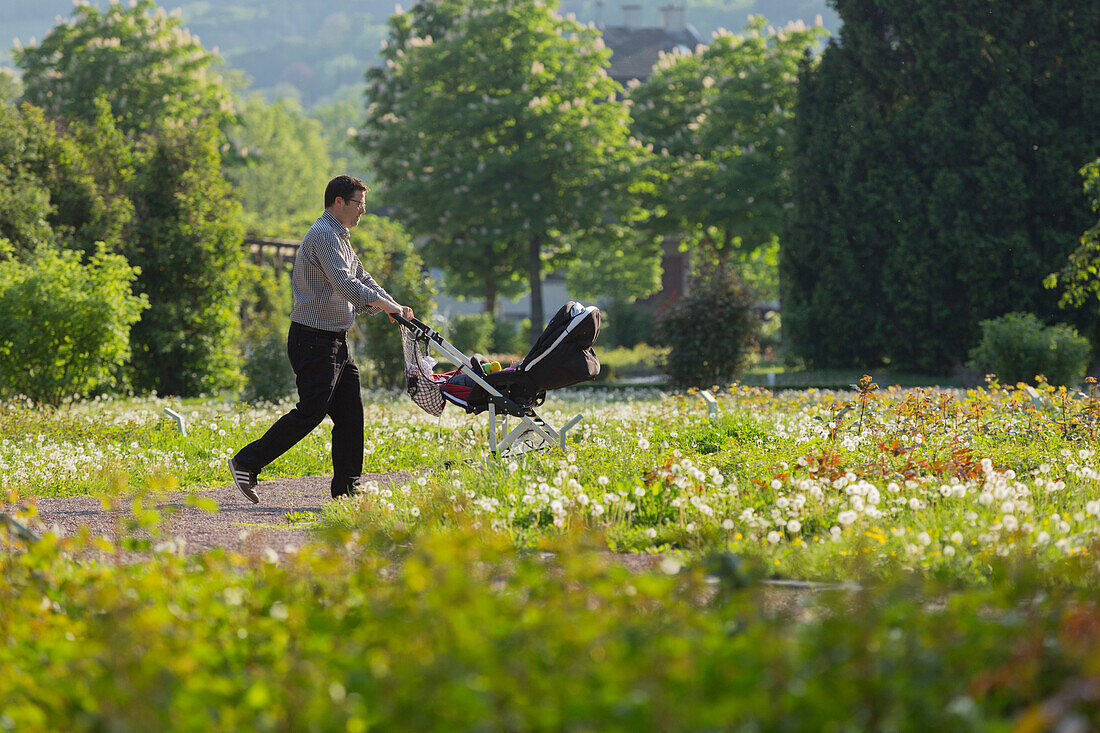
(937, 184)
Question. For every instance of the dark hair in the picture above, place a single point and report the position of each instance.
(342, 187)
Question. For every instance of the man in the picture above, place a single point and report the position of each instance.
(330, 289)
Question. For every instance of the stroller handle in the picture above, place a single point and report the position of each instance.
(414, 324)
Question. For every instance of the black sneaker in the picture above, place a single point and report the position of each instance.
(345, 487)
(244, 480)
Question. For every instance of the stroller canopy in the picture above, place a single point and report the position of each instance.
(561, 356)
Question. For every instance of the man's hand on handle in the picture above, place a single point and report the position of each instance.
(402, 310)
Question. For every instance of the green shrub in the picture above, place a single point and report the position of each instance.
(710, 333)
(626, 324)
(527, 335)
(266, 318)
(506, 338)
(639, 360)
(387, 254)
(472, 332)
(459, 633)
(1017, 347)
(65, 326)
(267, 371)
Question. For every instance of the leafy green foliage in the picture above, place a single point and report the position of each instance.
(934, 186)
(139, 58)
(61, 188)
(710, 331)
(1017, 347)
(186, 238)
(339, 121)
(640, 360)
(65, 326)
(267, 372)
(718, 120)
(24, 205)
(508, 337)
(452, 629)
(471, 333)
(459, 633)
(146, 107)
(387, 254)
(283, 170)
(315, 52)
(495, 130)
(11, 89)
(626, 324)
(1079, 279)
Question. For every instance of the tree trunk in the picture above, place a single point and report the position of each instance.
(725, 254)
(534, 279)
(490, 294)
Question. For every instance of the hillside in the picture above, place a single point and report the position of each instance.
(317, 51)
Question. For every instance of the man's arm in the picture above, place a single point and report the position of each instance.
(345, 271)
(340, 267)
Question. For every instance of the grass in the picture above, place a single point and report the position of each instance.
(804, 482)
(629, 364)
(961, 527)
(783, 377)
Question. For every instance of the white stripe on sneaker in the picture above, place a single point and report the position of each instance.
(244, 480)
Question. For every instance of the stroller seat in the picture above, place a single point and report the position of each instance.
(561, 356)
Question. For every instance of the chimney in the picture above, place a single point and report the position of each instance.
(672, 17)
(632, 16)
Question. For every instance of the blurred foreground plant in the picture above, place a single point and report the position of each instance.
(454, 630)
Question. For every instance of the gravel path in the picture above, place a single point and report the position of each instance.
(253, 529)
(239, 525)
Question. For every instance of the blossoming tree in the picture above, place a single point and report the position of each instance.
(500, 140)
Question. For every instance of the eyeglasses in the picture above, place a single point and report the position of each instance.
(358, 202)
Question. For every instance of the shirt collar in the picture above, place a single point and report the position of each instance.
(333, 222)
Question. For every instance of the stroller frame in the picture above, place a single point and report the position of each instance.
(532, 432)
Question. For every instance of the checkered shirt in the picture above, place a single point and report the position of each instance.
(330, 285)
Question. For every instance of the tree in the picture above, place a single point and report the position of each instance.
(338, 129)
(132, 79)
(387, 254)
(92, 201)
(64, 325)
(140, 59)
(934, 185)
(495, 130)
(24, 202)
(61, 186)
(11, 89)
(284, 167)
(186, 238)
(1079, 278)
(717, 120)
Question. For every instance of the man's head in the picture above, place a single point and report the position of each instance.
(344, 199)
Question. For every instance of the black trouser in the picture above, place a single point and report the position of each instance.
(328, 384)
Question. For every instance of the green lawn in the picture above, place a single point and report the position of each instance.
(954, 535)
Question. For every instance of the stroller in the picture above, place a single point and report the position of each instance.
(561, 356)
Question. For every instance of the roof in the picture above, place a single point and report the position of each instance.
(634, 51)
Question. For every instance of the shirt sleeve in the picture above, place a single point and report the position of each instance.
(344, 270)
(365, 278)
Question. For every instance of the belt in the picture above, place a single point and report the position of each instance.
(319, 331)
